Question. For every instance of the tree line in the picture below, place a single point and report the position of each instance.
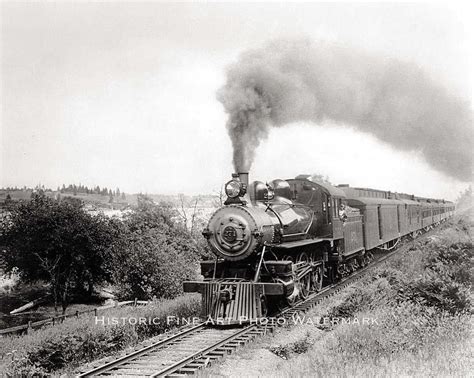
(72, 189)
(83, 189)
(146, 254)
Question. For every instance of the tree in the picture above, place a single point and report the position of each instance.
(181, 210)
(8, 201)
(464, 200)
(58, 242)
(316, 177)
(219, 198)
(188, 212)
(155, 255)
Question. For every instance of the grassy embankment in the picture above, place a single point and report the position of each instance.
(421, 302)
(78, 341)
(418, 307)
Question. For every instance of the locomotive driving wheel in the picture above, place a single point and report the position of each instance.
(302, 257)
(317, 278)
(305, 281)
(305, 285)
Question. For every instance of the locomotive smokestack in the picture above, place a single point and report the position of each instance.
(244, 178)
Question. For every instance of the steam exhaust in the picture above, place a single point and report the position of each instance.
(288, 81)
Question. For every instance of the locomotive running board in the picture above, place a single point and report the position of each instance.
(298, 243)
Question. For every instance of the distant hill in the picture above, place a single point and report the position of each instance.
(109, 201)
(98, 200)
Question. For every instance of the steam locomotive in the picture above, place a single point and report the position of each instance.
(278, 242)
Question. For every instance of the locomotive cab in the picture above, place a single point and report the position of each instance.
(325, 201)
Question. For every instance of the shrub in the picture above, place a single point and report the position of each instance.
(416, 300)
(154, 254)
(454, 260)
(407, 327)
(78, 341)
(377, 293)
(299, 346)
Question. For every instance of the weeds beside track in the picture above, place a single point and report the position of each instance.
(196, 348)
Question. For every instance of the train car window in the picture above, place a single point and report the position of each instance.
(329, 210)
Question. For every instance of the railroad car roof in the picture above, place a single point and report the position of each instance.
(375, 201)
(409, 202)
(428, 204)
(333, 191)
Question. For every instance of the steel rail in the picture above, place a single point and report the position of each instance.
(112, 364)
(182, 363)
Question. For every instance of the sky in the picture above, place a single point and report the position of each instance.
(124, 94)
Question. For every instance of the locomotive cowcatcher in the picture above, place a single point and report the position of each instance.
(276, 243)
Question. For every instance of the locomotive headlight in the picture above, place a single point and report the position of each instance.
(233, 188)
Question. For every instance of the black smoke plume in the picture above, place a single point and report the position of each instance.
(300, 80)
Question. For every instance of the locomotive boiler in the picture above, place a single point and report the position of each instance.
(274, 243)
(254, 216)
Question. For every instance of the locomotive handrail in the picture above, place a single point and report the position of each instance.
(257, 273)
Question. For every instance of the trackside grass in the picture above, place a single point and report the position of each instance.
(78, 341)
(420, 307)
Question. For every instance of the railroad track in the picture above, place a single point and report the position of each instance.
(180, 354)
(195, 348)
